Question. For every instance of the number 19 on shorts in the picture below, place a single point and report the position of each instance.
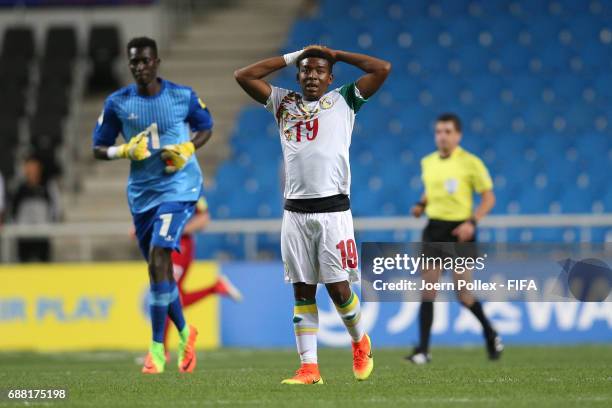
(348, 253)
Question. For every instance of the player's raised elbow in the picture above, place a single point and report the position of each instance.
(239, 75)
(385, 68)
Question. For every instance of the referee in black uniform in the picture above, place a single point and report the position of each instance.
(451, 176)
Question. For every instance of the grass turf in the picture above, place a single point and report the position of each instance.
(525, 377)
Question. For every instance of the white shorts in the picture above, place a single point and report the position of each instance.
(319, 247)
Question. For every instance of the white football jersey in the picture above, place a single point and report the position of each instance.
(315, 138)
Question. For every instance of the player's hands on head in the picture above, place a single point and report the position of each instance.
(136, 149)
(176, 156)
(321, 48)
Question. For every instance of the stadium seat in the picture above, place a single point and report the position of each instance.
(566, 87)
(56, 71)
(14, 72)
(543, 30)
(595, 57)
(555, 58)
(18, 43)
(12, 102)
(46, 131)
(60, 43)
(9, 134)
(584, 29)
(503, 30)
(424, 32)
(464, 30)
(103, 49)
(603, 87)
(56, 92)
(474, 59)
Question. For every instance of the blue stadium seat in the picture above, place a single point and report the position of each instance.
(484, 88)
(451, 9)
(607, 201)
(583, 28)
(567, 87)
(555, 58)
(601, 234)
(573, 200)
(575, 8)
(603, 87)
(424, 32)
(503, 30)
(209, 246)
(541, 117)
(526, 89)
(543, 30)
(594, 142)
(514, 58)
(582, 117)
(595, 57)
(443, 88)
(269, 244)
(494, 8)
(474, 59)
(464, 30)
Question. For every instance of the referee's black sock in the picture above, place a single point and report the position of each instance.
(425, 322)
(476, 308)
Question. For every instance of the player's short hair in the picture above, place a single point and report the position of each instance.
(316, 53)
(142, 42)
(450, 117)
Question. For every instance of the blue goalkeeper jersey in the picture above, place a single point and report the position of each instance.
(167, 117)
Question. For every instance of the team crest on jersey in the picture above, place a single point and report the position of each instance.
(326, 102)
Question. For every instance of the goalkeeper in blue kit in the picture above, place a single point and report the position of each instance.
(155, 117)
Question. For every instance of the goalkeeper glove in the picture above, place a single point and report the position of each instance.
(177, 155)
(136, 149)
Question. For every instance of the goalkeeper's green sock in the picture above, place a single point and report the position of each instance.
(184, 334)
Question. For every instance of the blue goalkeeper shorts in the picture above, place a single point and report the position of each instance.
(162, 226)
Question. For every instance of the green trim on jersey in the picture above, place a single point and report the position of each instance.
(349, 92)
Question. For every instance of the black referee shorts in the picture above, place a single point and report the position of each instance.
(440, 232)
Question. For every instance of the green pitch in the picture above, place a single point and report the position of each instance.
(526, 377)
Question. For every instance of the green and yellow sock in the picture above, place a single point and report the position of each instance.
(306, 326)
(350, 312)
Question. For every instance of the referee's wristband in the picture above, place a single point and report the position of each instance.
(421, 204)
(473, 221)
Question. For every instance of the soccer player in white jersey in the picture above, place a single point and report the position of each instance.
(317, 239)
